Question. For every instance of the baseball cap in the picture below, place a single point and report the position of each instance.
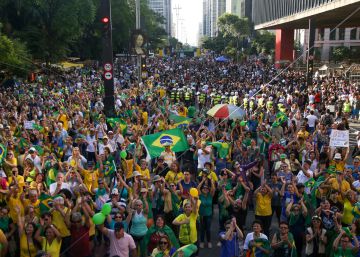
(115, 191)
(337, 156)
(32, 149)
(283, 156)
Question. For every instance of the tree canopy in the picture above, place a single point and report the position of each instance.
(54, 29)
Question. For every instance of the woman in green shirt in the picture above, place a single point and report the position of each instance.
(205, 212)
(343, 247)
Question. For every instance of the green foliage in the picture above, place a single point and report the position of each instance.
(13, 56)
(341, 53)
(233, 27)
(263, 42)
(233, 32)
(54, 29)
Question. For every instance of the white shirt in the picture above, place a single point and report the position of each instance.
(99, 129)
(250, 237)
(303, 179)
(311, 120)
(90, 147)
(53, 186)
(203, 158)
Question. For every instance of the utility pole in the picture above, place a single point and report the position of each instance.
(177, 13)
(138, 26)
(107, 58)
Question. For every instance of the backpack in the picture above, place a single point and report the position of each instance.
(327, 120)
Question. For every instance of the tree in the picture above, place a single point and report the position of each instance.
(232, 36)
(263, 42)
(341, 53)
(233, 27)
(14, 57)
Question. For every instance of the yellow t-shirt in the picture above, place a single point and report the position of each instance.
(188, 232)
(145, 173)
(35, 205)
(303, 134)
(347, 217)
(263, 205)
(145, 118)
(12, 203)
(27, 249)
(90, 179)
(173, 177)
(59, 222)
(338, 165)
(129, 168)
(53, 249)
(7, 168)
(345, 186)
(64, 119)
(212, 175)
(183, 113)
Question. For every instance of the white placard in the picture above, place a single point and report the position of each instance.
(339, 138)
(331, 108)
(28, 124)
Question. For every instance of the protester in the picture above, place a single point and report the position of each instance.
(167, 166)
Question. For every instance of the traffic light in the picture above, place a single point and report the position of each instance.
(106, 25)
(143, 64)
(105, 20)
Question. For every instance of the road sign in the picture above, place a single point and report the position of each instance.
(107, 67)
(108, 75)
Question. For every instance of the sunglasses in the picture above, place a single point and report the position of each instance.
(118, 217)
(163, 243)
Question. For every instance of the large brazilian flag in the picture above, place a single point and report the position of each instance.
(155, 143)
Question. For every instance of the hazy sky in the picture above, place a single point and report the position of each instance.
(190, 16)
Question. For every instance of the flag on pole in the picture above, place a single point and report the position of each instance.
(155, 143)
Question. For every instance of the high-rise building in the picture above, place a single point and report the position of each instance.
(212, 10)
(163, 7)
(241, 8)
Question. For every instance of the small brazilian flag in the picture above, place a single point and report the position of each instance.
(51, 176)
(281, 117)
(3, 152)
(310, 183)
(179, 121)
(185, 251)
(45, 202)
(39, 149)
(114, 122)
(155, 143)
(38, 127)
(110, 168)
(222, 148)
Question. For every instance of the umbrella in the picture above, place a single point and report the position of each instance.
(226, 111)
(222, 59)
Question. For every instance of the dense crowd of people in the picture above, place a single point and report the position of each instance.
(63, 160)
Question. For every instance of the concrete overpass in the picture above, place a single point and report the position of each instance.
(286, 15)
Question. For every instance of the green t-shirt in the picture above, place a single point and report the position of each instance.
(191, 112)
(340, 252)
(206, 205)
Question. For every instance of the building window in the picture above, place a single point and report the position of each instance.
(353, 33)
(341, 34)
(332, 34)
(321, 33)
